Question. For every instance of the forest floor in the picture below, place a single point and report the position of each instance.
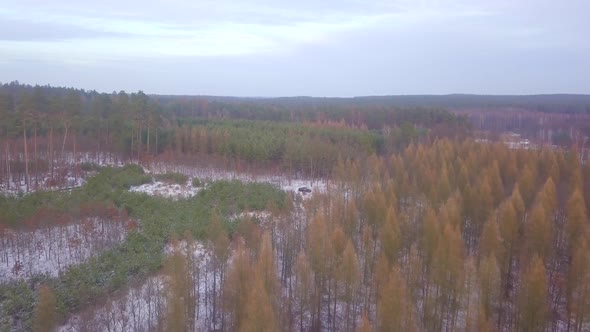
(52, 250)
(70, 177)
(141, 306)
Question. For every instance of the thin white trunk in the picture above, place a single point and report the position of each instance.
(8, 164)
(26, 156)
(63, 144)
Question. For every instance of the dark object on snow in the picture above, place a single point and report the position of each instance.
(304, 190)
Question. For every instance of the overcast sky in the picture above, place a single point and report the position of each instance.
(303, 47)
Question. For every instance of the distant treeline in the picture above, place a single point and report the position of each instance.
(347, 111)
(250, 129)
(367, 112)
(547, 103)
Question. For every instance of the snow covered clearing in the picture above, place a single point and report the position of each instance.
(16, 187)
(261, 216)
(207, 175)
(168, 190)
(143, 307)
(140, 308)
(68, 174)
(51, 250)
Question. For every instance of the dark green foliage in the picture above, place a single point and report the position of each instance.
(233, 196)
(16, 305)
(197, 183)
(300, 134)
(142, 251)
(117, 179)
(294, 146)
(14, 211)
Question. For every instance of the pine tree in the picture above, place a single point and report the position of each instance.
(443, 189)
(45, 315)
(533, 297)
(365, 324)
(303, 287)
(375, 208)
(508, 225)
(578, 287)
(266, 269)
(485, 204)
(176, 269)
(539, 233)
(491, 241)
(451, 211)
(394, 309)
(472, 296)
(527, 185)
(509, 232)
(350, 220)
(496, 183)
(548, 165)
(430, 236)
(319, 250)
(518, 203)
(260, 315)
(548, 198)
(414, 272)
(447, 275)
(577, 220)
(574, 171)
(390, 237)
(237, 285)
(349, 276)
(219, 242)
(490, 284)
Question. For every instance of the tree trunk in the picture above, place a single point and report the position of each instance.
(148, 139)
(36, 158)
(214, 300)
(132, 138)
(139, 140)
(109, 143)
(26, 156)
(8, 165)
(2, 169)
(75, 162)
(63, 144)
(98, 143)
(51, 157)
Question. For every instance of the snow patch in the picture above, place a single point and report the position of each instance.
(51, 250)
(168, 190)
(143, 307)
(208, 175)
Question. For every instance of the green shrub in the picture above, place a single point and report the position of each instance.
(142, 251)
(197, 183)
(172, 177)
(117, 178)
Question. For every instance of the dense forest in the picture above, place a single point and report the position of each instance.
(411, 224)
(44, 126)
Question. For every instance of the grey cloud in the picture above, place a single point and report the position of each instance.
(22, 30)
(459, 46)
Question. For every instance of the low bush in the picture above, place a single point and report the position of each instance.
(197, 183)
(172, 177)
